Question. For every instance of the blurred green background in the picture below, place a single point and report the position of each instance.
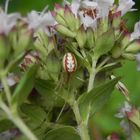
(105, 120)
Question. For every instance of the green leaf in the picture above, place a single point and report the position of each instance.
(96, 98)
(35, 114)
(24, 86)
(64, 133)
(77, 79)
(104, 43)
(46, 89)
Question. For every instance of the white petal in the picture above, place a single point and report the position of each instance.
(87, 21)
(89, 4)
(125, 6)
(136, 33)
(75, 5)
(7, 22)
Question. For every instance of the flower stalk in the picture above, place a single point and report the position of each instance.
(92, 74)
(12, 113)
(82, 127)
(7, 90)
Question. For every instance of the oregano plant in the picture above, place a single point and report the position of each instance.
(57, 68)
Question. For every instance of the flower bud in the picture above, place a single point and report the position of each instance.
(70, 19)
(125, 41)
(81, 37)
(116, 52)
(90, 38)
(59, 19)
(59, 10)
(65, 31)
(122, 88)
(116, 20)
(133, 47)
(129, 56)
(69, 62)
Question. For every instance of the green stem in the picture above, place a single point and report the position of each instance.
(6, 89)
(17, 121)
(92, 75)
(11, 113)
(23, 128)
(82, 127)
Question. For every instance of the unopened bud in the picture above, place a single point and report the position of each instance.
(65, 31)
(116, 52)
(122, 88)
(90, 38)
(129, 56)
(81, 37)
(133, 47)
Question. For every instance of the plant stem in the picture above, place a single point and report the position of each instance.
(17, 121)
(12, 114)
(6, 89)
(92, 74)
(82, 127)
(23, 128)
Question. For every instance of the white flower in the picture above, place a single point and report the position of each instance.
(7, 22)
(136, 33)
(37, 20)
(87, 21)
(125, 6)
(90, 11)
(104, 7)
(125, 109)
(75, 5)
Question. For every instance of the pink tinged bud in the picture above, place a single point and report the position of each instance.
(116, 19)
(58, 7)
(59, 10)
(67, 8)
(69, 63)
